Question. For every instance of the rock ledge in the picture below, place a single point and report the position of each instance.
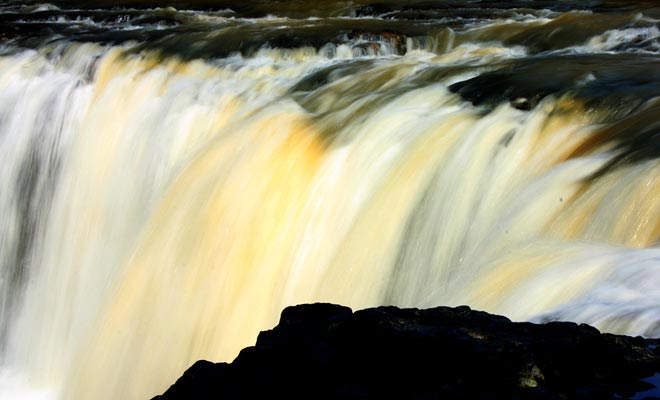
(326, 351)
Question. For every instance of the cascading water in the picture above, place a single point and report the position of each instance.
(172, 178)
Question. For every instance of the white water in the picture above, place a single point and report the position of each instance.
(179, 206)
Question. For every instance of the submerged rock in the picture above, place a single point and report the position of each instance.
(328, 351)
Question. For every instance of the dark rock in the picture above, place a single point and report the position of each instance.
(325, 351)
(618, 83)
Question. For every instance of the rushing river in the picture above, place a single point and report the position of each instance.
(174, 173)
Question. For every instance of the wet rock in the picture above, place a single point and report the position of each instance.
(617, 83)
(326, 351)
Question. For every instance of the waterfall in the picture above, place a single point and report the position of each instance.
(160, 207)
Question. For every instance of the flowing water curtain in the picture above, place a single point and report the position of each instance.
(166, 199)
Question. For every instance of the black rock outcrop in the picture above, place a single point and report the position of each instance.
(325, 351)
